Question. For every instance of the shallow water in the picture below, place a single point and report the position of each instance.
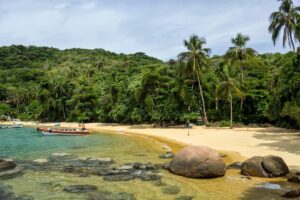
(27, 144)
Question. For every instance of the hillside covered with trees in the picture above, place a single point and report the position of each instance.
(48, 84)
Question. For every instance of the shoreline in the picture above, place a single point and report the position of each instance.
(241, 142)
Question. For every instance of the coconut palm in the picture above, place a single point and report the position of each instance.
(239, 52)
(227, 89)
(286, 20)
(195, 57)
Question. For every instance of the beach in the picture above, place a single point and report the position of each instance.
(247, 142)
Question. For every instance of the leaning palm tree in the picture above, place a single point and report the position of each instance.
(286, 20)
(195, 57)
(227, 89)
(239, 52)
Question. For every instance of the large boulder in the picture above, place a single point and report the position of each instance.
(267, 166)
(198, 162)
(6, 165)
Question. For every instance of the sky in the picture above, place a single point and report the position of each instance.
(156, 27)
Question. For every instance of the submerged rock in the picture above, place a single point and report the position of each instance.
(235, 165)
(7, 194)
(7, 165)
(292, 194)
(167, 155)
(80, 188)
(102, 195)
(12, 173)
(118, 178)
(197, 162)
(268, 166)
(172, 189)
(184, 198)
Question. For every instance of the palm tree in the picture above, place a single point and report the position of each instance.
(226, 89)
(195, 57)
(286, 19)
(239, 52)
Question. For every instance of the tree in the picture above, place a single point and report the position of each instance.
(239, 52)
(195, 57)
(286, 20)
(227, 89)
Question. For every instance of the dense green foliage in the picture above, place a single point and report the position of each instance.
(40, 83)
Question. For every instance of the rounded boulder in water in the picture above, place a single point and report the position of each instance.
(198, 162)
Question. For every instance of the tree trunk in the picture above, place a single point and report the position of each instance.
(203, 103)
(230, 98)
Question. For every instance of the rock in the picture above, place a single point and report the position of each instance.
(99, 195)
(7, 165)
(8, 174)
(184, 198)
(294, 179)
(275, 166)
(159, 183)
(268, 166)
(125, 167)
(197, 162)
(235, 165)
(7, 194)
(166, 147)
(118, 178)
(149, 176)
(80, 188)
(172, 189)
(40, 161)
(60, 154)
(167, 155)
(292, 194)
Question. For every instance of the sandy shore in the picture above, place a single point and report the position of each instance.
(246, 141)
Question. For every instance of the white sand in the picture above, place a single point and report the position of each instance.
(246, 141)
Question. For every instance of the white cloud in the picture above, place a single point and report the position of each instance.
(155, 27)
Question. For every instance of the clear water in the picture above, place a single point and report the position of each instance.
(28, 144)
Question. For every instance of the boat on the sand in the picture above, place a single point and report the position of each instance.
(64, 131)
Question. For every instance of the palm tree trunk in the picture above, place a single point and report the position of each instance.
(203, 103)
(230, 98)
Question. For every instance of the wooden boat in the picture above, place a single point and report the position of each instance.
(64, 131)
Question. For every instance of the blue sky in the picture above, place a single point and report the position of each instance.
(156, 27)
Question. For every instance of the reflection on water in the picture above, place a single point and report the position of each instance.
(27, 144)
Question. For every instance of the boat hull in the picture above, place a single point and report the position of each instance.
(66, 134)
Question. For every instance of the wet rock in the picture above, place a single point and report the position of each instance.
(172, 189)
(7, 194)
(268, 166)
(166, 155)
(80, 188)
(102, 195)
(184, 198)
(197, 162)
(159, 183)
(235, 165)
(294, 177)
(6, 165)
(125, 167)
(292, 194)
(118, 178)
(40, 161)
(99, 160)
(149, 176)
(13, 173)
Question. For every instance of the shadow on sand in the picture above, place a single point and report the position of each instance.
(288, 142)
